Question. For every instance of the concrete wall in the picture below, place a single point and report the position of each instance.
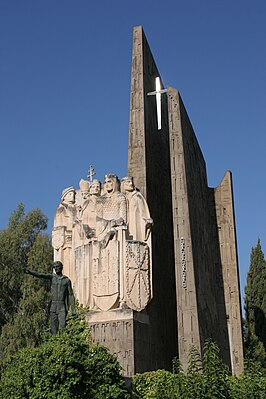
(187, 307)
(205, 247)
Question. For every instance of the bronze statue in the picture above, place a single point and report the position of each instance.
(62, 296)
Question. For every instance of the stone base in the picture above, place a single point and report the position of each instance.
(126, 334)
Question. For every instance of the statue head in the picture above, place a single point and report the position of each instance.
(58, 267)
(111, 183)
(68, 195)
(127, 184)
(84, 189)
(95, 187)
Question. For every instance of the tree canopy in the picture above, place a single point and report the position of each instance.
(24, 302)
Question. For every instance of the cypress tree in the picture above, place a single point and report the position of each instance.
(255, 308)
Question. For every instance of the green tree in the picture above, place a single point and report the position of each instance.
(23, 302)
(64, 366)
(255, 308)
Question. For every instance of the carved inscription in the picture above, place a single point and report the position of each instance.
(183, 262)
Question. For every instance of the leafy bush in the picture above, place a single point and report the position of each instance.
(65, 366)
(204, 379)
(157, 384)
(251, 384)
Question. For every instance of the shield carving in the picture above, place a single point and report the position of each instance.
(58, 237)
(106, 277)
(137, 275)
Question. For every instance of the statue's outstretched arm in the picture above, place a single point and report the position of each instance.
(39, 275)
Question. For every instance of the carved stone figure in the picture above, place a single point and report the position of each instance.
(111, 210)
(138, 271)
(138, 214)
(90, 191)
(110, 226)
(85, 238)
(95, 192)
(62, 296)
(62, 234)
(80, 220)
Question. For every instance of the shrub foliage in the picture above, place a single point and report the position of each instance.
(64, 366)
(206, 378)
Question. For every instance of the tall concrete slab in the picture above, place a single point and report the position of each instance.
(149, 164)
(200, 293)
(225, 216)
(187, 309)
(208, 300)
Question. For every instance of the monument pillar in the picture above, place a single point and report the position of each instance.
(187, 310)
(149, 164)
(225, 217)
(208, 300)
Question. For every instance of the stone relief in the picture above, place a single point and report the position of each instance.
(62, 234)
(138, 215)
(102, 235)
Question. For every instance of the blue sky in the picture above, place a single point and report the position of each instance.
(64, 95)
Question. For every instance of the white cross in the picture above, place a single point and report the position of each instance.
(91, 173)
(158, 93)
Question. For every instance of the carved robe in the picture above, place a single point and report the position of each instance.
(84, 249)
(108, 262)
(86, 221)
(137, 215)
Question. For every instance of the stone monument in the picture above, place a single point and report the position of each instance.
(154, 255)
(107, 235)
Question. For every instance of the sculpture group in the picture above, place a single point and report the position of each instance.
(102, 235)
